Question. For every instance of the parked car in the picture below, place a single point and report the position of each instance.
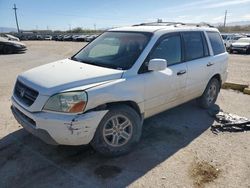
(102, 94)
(9, 47)
(39, 37)
(10, 37)
(32, 37)
(81, 38)
(228, 39)
(59, 38)
(74, 37)
(241, 45)
(90, 38)
(67, 38)
(48, 37)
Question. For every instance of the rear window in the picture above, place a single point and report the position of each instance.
(216, 42)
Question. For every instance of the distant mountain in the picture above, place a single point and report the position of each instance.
(7, 29)
(240, 23)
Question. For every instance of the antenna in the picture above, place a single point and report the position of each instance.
(14, 8)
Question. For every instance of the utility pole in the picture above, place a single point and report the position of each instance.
(225, 18)
(14, 8)
(159, 20)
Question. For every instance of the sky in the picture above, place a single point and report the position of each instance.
(66, 14)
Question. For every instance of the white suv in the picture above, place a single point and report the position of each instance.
(102, 94)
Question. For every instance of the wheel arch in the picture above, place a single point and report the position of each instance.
(129, 103)
(218, 77)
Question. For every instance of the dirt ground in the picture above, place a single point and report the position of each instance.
(177, 148)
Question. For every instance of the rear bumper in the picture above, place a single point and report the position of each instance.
(54, 128)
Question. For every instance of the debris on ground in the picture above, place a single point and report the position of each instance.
(228, 122)
(203, 173)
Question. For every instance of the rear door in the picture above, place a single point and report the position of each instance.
(196, 55)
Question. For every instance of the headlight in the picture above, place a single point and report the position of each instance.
(69, 102)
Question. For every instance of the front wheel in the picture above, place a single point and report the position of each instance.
(210, 94)
(118, 131)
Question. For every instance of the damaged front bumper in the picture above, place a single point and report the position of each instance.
(61, 129)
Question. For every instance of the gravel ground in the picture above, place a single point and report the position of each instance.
(177, 148)
(239, 69)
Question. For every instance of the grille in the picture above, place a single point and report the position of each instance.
(25, 94)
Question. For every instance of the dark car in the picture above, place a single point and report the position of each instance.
(58, 38)
(67, 37)
(9, 47)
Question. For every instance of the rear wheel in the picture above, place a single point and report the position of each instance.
(210, 94)
(118, 132)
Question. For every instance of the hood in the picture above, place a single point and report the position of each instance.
(66, 74)
(240, 44)
(12, 37)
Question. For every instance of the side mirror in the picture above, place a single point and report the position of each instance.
(157, 64)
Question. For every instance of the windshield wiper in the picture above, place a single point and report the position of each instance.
(75, 59)
(101, 64)
(96, 64)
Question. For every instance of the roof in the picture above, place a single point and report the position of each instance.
(155, 26)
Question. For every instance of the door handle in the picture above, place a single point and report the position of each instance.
(181, 72)
(210, 64)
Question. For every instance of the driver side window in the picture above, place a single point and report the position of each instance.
(169, 49)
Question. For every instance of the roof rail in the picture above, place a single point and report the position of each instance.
(175, 24)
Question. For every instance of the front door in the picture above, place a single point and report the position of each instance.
(164, 88)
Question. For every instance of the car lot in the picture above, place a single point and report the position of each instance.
(172, 142)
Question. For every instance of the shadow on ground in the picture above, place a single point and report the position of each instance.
(28, 162)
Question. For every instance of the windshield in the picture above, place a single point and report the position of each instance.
(245, 40)
(118, 50)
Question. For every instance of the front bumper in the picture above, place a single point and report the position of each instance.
(238, 49)
(55, 128)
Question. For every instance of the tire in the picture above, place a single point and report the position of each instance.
(210, 94)
(114, 144)
(248, 51)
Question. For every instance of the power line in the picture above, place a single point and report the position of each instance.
(14, 8)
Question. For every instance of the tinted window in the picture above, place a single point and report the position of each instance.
(170, 49)
(193, 45)
(216, 42)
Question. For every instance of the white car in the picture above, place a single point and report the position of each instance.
(10, 37)
(241, 45)
(48, 37)
(228, 39)
(102, 94)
